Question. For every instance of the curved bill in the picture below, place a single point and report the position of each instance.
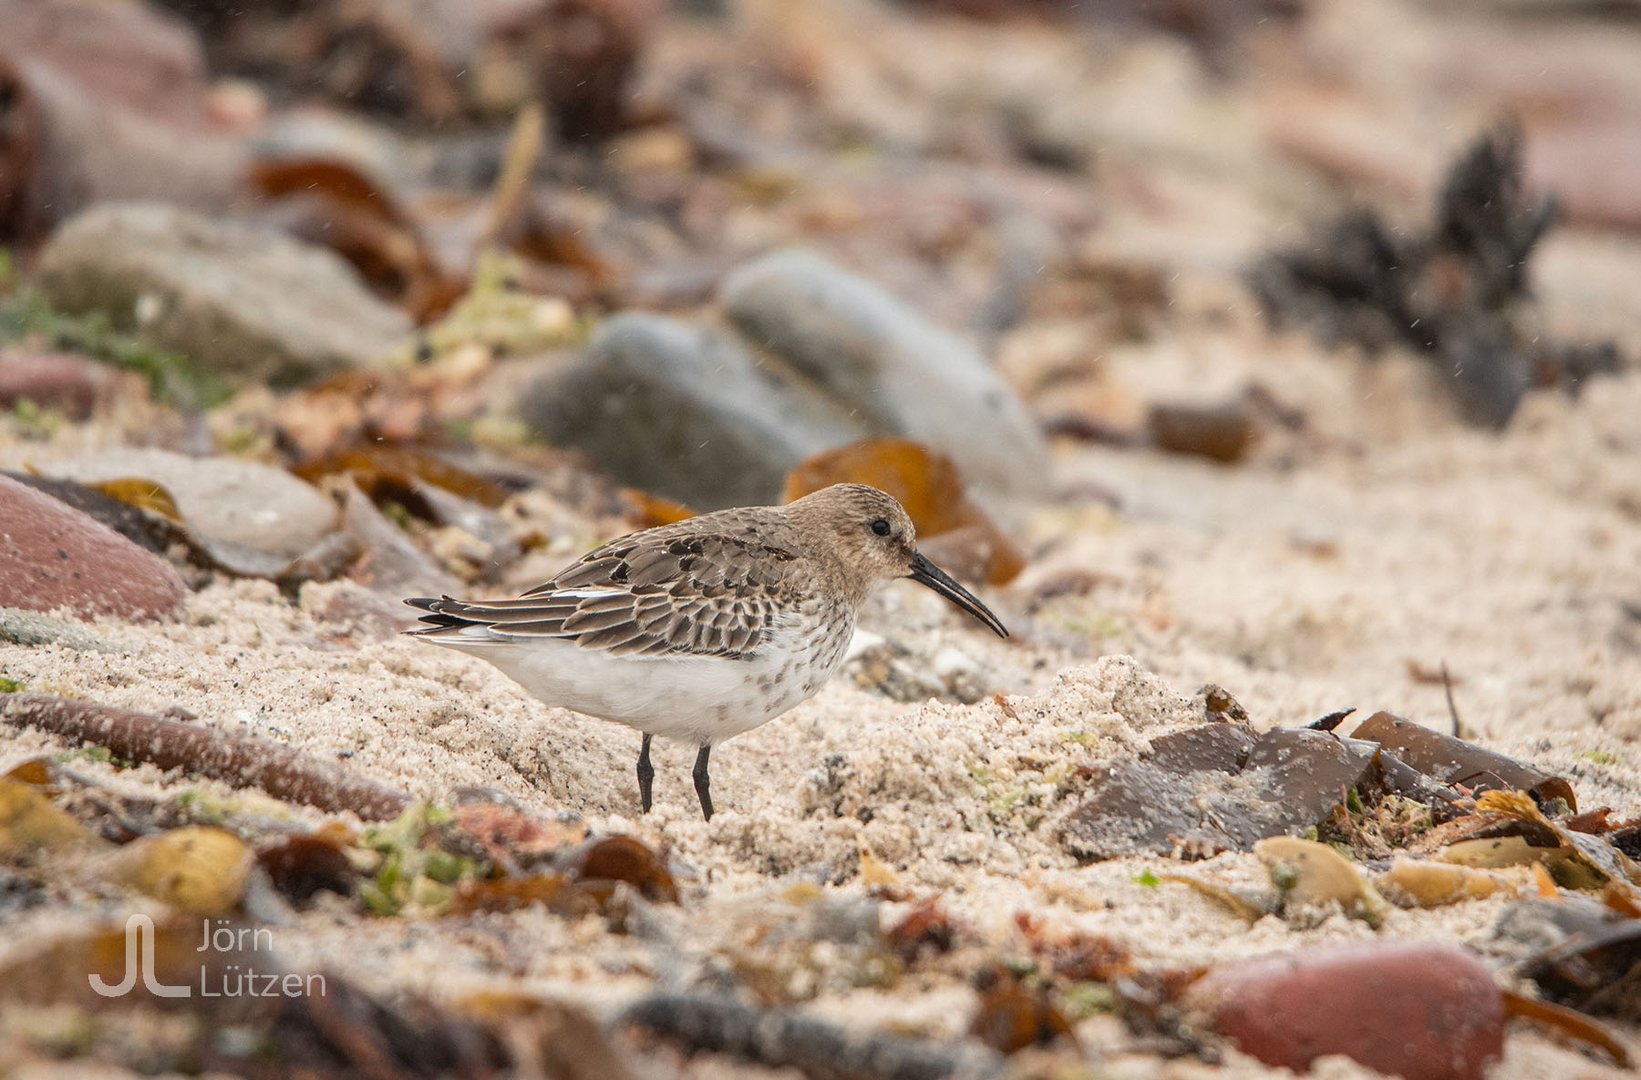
(927, 573)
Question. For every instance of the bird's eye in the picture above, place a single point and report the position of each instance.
(881, 527)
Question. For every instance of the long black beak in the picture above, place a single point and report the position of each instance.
(927, 573)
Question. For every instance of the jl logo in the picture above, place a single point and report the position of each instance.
(139, 941)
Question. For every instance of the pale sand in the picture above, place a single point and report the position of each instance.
(1318, 575)
(1301, 587)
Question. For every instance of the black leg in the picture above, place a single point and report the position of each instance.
(703, 782)
(646, 775)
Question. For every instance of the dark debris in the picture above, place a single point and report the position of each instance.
(813, 1047)
(1458, 293)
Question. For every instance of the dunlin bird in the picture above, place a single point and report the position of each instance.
(703, 629)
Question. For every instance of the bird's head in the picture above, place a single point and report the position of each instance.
(874, 541)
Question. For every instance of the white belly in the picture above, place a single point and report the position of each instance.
(697, 699)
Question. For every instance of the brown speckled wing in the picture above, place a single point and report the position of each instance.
(661, 592)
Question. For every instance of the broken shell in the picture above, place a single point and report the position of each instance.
(1420, 883)
(1309, 873)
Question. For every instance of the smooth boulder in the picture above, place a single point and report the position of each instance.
(52, 556)
(685, 412)
(245, 303)
(901, 373)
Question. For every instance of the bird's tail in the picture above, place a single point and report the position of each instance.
(443, 615)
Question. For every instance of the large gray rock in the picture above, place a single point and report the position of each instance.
(901, 373)
(245, 302)
(685, 412)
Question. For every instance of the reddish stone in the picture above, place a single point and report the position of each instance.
(1419, 1010)
(71, 384)
(52, 556)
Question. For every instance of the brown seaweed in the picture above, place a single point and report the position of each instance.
(1451, 292)
(1215, 788)
(1219, 787)
(1462, 764)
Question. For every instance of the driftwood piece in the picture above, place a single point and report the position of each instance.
(236, 758)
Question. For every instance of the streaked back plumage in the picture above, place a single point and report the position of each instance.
(712, 586)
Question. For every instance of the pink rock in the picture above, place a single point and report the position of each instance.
(53, 556)
(1420, 1010)
(63, 381)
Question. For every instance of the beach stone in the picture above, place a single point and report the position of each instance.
(1416, 1009)
(901, 373)
(52, 556)
(244, 302)
(223, 501)
(685, 412)
(391, 563)
(65, 382)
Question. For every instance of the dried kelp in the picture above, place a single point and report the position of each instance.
(1463, 764)
(1421, 883)
(1224, 432)
(1015, 1014)
(303, 866)
(1578, 860)
(1219, 787)
(1310, 875)
(1568, 1022)
(1455, 292)
(440, 62)
(151, 531)
(1579, 952)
